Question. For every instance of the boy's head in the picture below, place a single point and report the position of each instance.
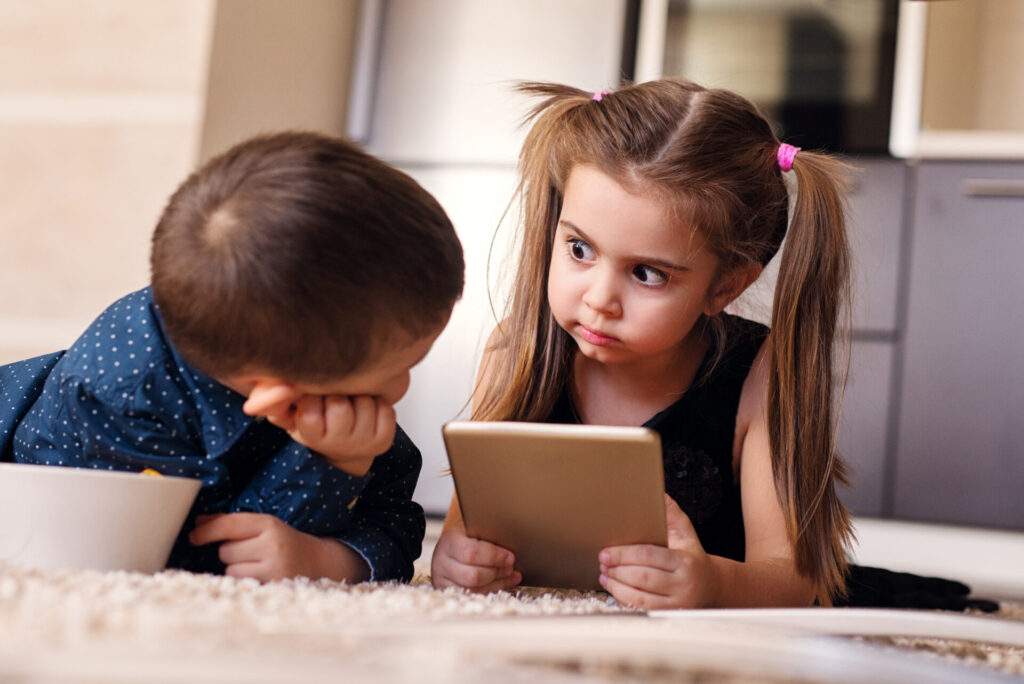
(300, 255)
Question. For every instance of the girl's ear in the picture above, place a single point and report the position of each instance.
(730, 286)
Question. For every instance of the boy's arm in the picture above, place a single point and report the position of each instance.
(264, 547)
(372, 517)
(387, 526)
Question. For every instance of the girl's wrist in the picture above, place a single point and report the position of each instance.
(719, 572)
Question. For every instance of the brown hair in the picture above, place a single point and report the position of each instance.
(711, 156)
(300, 254)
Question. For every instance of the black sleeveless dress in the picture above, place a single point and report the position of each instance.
(697, 435)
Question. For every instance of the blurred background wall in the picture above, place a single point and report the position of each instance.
(101, 106)
(106, 105)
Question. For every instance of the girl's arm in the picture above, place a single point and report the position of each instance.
(683, 575)
(768, 577)
(460, 560)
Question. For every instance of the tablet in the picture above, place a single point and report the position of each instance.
(555, 495)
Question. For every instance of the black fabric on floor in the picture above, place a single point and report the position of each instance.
(880, 588)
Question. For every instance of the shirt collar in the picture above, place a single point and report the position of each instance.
(219, 407)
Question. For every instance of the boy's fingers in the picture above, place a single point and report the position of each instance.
(386, 423)
(203, 519)
(266, 398)
(244, 551)
(284, 419)
(365, 421)
(339, 416)
(309, 416)
(229, 526)
(253, 569)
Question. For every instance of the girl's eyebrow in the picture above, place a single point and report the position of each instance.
(646, 261)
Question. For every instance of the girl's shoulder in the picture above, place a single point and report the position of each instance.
(741, 331)
(739, 343)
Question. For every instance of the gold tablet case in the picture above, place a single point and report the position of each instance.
(555, 495)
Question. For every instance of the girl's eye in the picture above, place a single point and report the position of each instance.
(580, 250)
(648, 275)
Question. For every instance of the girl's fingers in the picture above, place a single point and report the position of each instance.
(640, 578)
(631, 596)
(513, 580)
(470, 551)
(477, 577)
(649, 555)
(680, 530)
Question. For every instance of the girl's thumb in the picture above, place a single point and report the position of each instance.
(680, 529)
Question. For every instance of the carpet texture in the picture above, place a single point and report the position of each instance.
(83, 626)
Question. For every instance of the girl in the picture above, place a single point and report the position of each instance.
(647, 211)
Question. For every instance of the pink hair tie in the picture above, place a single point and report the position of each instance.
(599, 95)
(786, 155)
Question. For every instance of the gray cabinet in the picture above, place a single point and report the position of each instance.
(960, 449)
(876, 230)
(876, 225)
(865, 427)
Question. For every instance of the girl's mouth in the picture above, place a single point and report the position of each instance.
(594, 337)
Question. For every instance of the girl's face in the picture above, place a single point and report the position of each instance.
(626, 282)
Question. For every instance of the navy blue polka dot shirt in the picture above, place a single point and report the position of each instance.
(122, 398)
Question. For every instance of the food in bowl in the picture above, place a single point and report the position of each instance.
(55, 516)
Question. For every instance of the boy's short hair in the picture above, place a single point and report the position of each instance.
(300, 254)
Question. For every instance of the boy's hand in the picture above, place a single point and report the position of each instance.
(348, 432)
(654, 577)
(461, 561)
(266, 548)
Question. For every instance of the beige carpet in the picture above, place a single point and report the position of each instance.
(73, 626)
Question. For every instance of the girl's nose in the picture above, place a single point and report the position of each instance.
(602, 296)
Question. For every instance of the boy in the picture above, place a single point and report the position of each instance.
(295, 281)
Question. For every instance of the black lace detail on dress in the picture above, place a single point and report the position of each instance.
(694, 481)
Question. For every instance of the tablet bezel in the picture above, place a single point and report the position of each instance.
(555, 495)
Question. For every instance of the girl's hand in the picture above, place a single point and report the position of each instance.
(654, 577)
(348, 432)
(461, 561)
(267, 548)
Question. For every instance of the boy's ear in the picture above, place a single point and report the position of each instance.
(270, 395)
(730, 286)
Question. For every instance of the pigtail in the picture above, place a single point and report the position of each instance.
(811, 294)
(531, 350)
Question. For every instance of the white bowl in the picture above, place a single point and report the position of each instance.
(52, 516)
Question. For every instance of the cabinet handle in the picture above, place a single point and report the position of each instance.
(992, 187)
